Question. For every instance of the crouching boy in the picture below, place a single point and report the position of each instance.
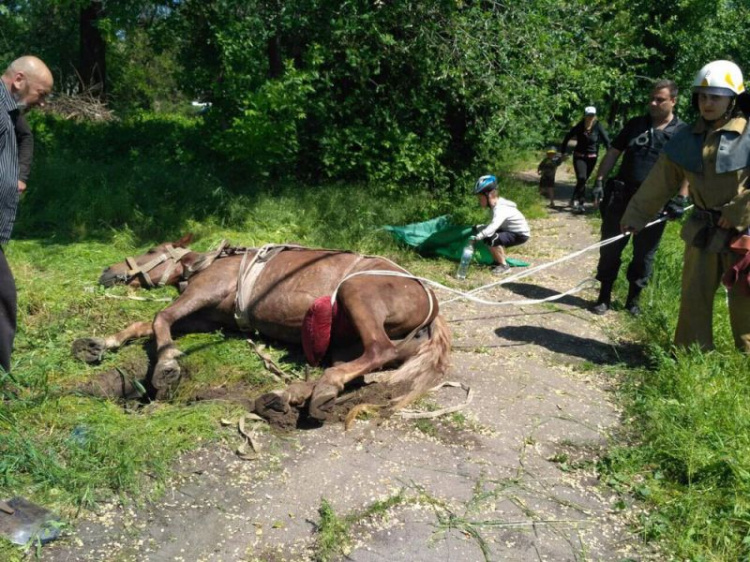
(508, 226)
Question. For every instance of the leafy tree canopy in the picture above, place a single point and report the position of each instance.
(380, 89)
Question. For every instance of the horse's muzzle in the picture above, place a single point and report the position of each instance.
(109, 279)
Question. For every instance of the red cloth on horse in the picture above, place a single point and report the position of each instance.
(321, 321)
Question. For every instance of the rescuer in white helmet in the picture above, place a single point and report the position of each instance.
(713, 155)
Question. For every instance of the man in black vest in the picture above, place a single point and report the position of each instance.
(641, 140)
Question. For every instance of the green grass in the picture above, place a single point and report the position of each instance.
(689, 418)
(334, 532)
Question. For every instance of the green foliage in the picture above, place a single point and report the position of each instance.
(138, 172)
(691, 33)
(396, 92)
(143, 76)
(263, 139)
(47, 28)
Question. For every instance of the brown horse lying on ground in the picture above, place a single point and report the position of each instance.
(381, 308)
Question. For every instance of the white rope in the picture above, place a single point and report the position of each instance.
(538, 268)
(470, 295)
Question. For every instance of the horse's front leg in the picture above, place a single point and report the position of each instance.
(91, 350)
(167, 369)
(192, 310)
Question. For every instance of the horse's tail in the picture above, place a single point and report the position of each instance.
(424, 370)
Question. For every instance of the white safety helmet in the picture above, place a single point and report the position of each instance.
(719, 78)
(589, 110)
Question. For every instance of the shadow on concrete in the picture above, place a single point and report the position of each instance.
(530, 291)
(589, 349)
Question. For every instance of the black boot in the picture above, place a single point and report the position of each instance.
(631, 304)
(604, 302)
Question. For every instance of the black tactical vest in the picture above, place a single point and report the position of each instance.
(644, 147)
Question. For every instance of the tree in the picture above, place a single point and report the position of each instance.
(92, 69)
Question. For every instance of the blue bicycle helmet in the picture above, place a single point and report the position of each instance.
(485, 184)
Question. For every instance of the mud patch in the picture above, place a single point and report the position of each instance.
(126, 382)
(288, 409)
(240, 394)
(380, 396)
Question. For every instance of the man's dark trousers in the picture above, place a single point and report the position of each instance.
(645, 244)
(8, 310)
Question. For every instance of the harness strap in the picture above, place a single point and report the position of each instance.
(204, 261)
(143, 270)
(171, 253)
(248, 276)
(175, 254)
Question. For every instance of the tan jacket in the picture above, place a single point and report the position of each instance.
(729, 192)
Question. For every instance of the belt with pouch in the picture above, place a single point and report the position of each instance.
(702, 230)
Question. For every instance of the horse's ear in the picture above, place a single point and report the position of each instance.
(184, 241)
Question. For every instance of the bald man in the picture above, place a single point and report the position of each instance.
(26, 84)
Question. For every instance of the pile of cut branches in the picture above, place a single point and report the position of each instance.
(79, 107)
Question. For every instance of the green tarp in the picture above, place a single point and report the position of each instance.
(441, 237)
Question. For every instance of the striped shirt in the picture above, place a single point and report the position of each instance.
(8, 164)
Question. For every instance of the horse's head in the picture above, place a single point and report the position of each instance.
(161, 265)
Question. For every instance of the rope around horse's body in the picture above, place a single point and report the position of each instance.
(469, 295)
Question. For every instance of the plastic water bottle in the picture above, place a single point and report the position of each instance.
(466, 256)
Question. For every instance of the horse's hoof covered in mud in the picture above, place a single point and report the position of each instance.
(277, 401)
(90, 350)
(165, 374)
(276, 409)
(300, 392)
(323, 400)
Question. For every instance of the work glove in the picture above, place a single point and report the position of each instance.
(597, 193)
(676, 207)
(477, 228)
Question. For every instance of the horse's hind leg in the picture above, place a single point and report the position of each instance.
(91, 350)
(378, 351)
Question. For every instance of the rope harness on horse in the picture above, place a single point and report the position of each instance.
(175, 256)
(170, 253)
(248, 277)
(250, 272)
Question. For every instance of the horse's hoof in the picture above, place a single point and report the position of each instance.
(299, 392)
(322, 401)
(165, 374)
(89, 350)
(272, 402)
